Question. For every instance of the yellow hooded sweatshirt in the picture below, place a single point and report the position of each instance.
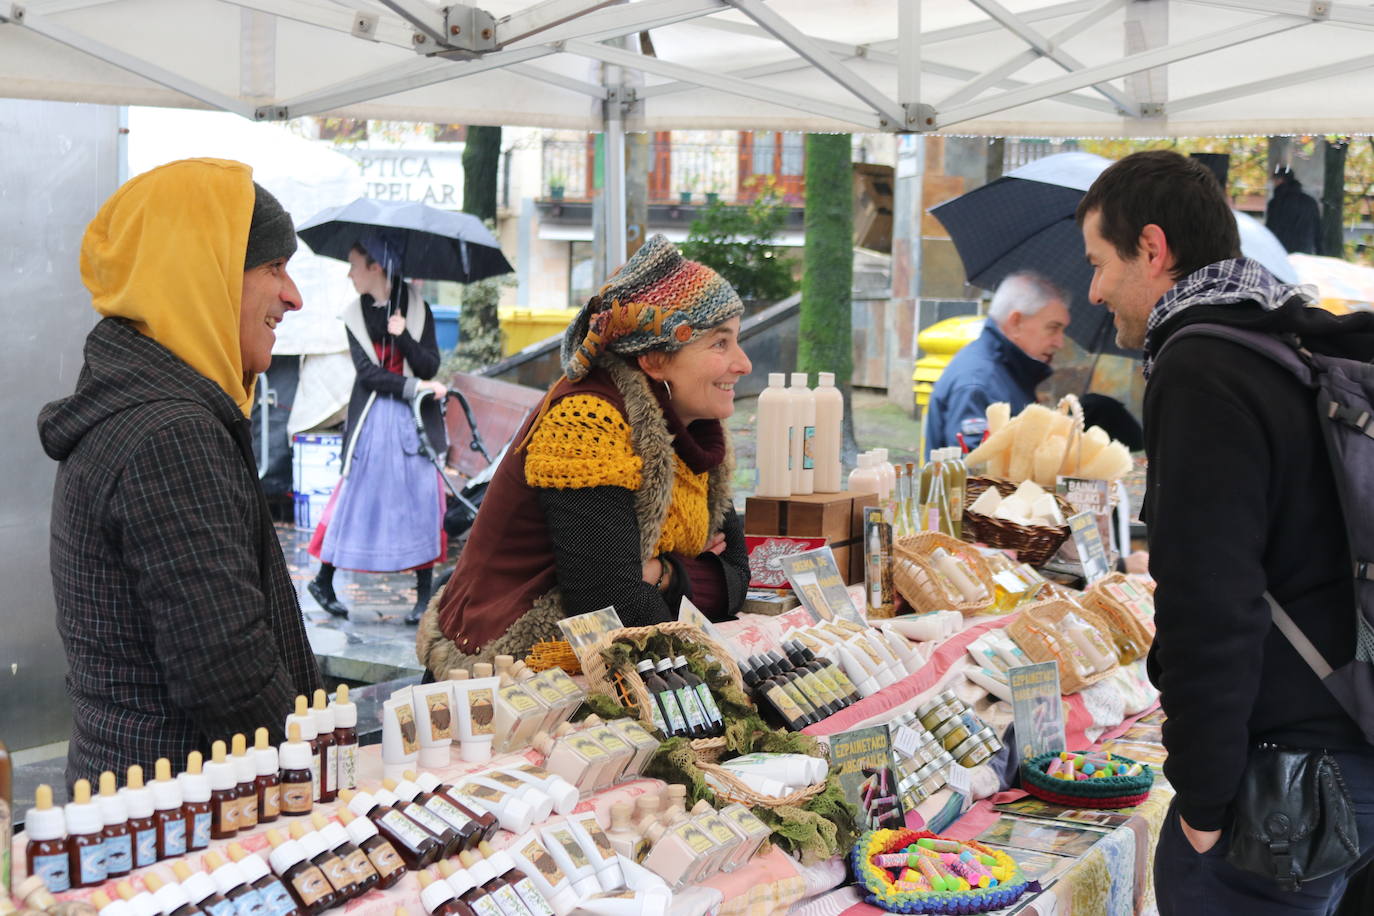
(166, 252)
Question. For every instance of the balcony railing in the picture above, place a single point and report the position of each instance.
(678, 172)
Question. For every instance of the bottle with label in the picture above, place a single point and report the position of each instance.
(329, 751)
(833, 677)
(303, 719)
(334, 868)
(468, 829)
(894, 513)
(466, 891)
(266, 779)
(380, 853)
(224, 795)
(171, 900)
(829, 422)
(504, 866)
(935, 511)
(666, 699)
(196, 791)
(85, 845)
(815, 689)
(233, 886)
(201, 892)
(887, 474)
(307, 884)
(687, 700)
(361, 873)
(715, 721)
(484, 873)
(437, 898)
(774, 438)
(245, 776)
(297, 779)
(783, 674)
(864, 477)
(116, 835)
(416, 846)
(428, 782)
(955, 485)
(346, 738)
(138, 799)
(803, 435)
(771, 696)
(169, 812)
(912, 524)
(275, 896)
(445, 832)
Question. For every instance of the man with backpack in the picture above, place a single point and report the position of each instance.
(1248, 519)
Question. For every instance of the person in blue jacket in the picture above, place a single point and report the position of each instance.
(1025, 328)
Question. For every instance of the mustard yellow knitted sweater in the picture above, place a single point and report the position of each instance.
(583, 441)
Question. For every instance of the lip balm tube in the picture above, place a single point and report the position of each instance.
(597, 847)
(400, 737)
(569, 855)
(539, 866)
(563, 793)
(434, 721)
(475, 702)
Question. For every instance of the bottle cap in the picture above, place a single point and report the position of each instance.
(285, 852)
(322, 714)
(168, 897)
(405, 790)
(251, 865)
(663, 665)
(385, 796)
(434, 894)
(542, 742)
(777, 379)
(303, 718)
(359, 829)
(563, 794)
(459, 674)
(311, 840)
(620, 815)
(195, 784)
(138, 798)
(44, 822)
(482, 669)
(295, 753)
(427, 782)
(476, 751)
(825, 379)
(197, 886)
(516, 815)
(459, 881)
(266, 761)
(226, 875)
(112, 806)
(479, 868)
(83, 815)
(799, 379)
(361, 803)
(345, 711)
(334, 834)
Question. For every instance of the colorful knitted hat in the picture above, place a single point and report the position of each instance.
(658, 300)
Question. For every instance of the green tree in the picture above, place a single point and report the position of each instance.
(737, 242)
(826, 335)
(479, 325)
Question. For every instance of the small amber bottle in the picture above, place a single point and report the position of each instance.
(323, 717)
(360, 870)
(446, 833)
(334, 868)
(275, 895)
(119, 841)
(138, 798)
(201, 891)
(346, 737)
(195, 791)
(469, 830)
(416, 846)
(245, 776)
(234, 886)
(85, 844)
(224, 797)
(306, 721)
(305, 881)
(169, 812)
(296, 778)
(267, 783)
(438, 900)
(170, 898)
(46, 854)
(380, 853)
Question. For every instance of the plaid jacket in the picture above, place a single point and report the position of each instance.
(174, 603)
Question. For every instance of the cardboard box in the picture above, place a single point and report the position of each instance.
(837, 517)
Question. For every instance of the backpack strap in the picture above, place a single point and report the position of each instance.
(1286, 349)
(1289, 628)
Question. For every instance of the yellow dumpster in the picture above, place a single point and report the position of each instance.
(522, 327)
(940, 342)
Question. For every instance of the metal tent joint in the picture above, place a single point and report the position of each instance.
(271, 113)
(1148, 110)
(1320, 10)
(919, 117)
(365, 26)
(467, 28)
(14, 14)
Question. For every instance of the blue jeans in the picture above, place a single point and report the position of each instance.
(1191, 884)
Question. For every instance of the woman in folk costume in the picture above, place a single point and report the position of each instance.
(386, 515)
(619, 491)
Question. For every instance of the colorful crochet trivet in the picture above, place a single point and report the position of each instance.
(1087, 779)
(915, 871)
(658, 300)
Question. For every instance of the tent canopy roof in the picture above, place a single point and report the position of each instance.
(990, 67)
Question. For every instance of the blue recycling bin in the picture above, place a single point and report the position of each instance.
(445, 326)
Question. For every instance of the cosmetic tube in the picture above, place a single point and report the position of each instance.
(539, 866)
(576, 864)
(563, 793)
(474, 700)
(519, 715)
(651, 896)
(899, 645)
(597, 846)
(484, 795)
(760, 784)
(792, 769)
(434, 721)
(400, 737)
(539, 801)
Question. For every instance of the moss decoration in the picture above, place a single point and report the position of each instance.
(602, 705)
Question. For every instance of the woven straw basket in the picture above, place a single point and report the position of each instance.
(1028, 630)
(732, 790)
(1117, 614)
(1034, 544)
(628, 687)
(913, 574)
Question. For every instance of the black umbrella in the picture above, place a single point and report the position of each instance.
(1025, 221)
(429, 243)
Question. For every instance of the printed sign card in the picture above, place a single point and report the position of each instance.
(1037, 708)
(816, 579)
(862, 760)
(1092, 552)
(584, 630)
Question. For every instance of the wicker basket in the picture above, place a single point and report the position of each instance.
(1034, 544)
(1028, 630)
(913, 574)
(1118, 613)
(1109, 792)
(628, 687)
(733, 790)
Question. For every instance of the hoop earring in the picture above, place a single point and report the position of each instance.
(668, 388)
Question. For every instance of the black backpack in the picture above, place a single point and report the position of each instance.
(1344, 396)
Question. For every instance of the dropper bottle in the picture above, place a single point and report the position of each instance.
(170, 898)
(346, 738)
(140, 902)
(449, 839)
(430, 783)
(168, 813)
(201, 892)
(437, 898)
(46, 853)
(334, 869)
(195, 789)
(85, 845)
(489, 881)
(99, 899)
(380, 853)
(504, 866)
(138, 799)
(360, 871)
(468, 830)
(275, 896)
(224, 796)
(466, 891)
(245, 776)
(267, 778)
(234, 886)
(306, 722)
(118, 838)
(415, 845)
(296, 776)
(307, 884)
(329, 752)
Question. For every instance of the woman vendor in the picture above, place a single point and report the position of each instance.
(619, 492)
(386, 515)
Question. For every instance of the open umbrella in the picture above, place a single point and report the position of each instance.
(430, 244)
(1025, 221)
(1341, 286)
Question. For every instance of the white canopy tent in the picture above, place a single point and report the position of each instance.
(985, 67)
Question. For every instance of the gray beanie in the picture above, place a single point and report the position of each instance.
(271, 234)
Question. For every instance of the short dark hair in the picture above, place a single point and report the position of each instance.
(368, 260)
(1177, 194)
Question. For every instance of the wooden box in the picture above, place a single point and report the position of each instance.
(837, 517)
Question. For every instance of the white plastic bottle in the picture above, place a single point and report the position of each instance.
(864, 478)
(826, 445)
(803, 435)
(774, 438)
(887, 475)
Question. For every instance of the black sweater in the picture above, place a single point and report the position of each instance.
(1241, 498)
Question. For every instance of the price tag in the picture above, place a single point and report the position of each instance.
(1092, 553)
(905, 740)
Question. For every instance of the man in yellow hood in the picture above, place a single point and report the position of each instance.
(178, 615)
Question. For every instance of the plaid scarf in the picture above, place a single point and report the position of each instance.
(1234, 281)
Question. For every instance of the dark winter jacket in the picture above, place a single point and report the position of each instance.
(990, 369)
(1294, 218)
(1241, 499)
(174, 603)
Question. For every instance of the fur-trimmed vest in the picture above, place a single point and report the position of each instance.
(504, 596)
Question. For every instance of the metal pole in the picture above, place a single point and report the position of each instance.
(613, 191)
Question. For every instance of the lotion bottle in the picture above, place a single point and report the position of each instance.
(465, 890)
(402, 795)
(774, 438)
(826, 445)
(489, 880)
(803, 435)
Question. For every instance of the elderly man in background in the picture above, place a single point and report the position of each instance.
(1025, 328)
